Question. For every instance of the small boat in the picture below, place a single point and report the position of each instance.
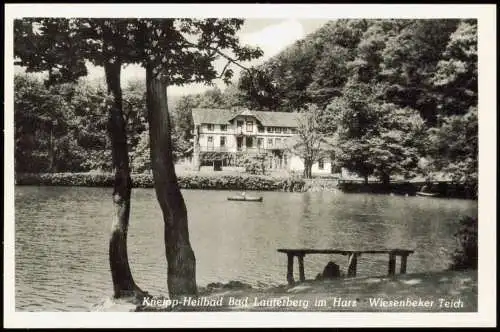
(245, 198)
(421, 193)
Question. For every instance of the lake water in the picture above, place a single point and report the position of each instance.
(62, 238)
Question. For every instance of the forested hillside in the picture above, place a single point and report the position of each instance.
(399, 96)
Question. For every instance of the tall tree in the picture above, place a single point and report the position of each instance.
(180, 51)
(310, 144)
(62, 46)
(173, 51)
(374, 137)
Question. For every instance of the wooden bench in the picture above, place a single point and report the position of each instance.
(352, 262)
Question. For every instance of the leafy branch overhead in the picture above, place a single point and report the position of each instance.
(181, 51)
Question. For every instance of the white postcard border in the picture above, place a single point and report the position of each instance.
(486, 315)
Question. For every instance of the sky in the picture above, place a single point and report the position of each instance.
(271, 35)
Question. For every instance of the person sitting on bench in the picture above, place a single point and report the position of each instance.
(331, 271)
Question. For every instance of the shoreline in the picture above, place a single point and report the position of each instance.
(247, 182)
(434, 291)
(186, 181)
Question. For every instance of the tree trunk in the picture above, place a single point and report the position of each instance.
(366, 178)
(385, 179)
(180, 256)
(123, 283)
(51, 150)
(308, 168)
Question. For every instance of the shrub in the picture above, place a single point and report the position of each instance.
(228, 182)
(465, 256)
(255, 164)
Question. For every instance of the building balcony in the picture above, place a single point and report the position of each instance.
(279, 146)
(240, 131)
(214, 149)
(250, 150)
(242, 148)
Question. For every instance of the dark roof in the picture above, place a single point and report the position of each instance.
(223, 116)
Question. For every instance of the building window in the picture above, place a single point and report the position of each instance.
(321, 164)
(278, 142)
(210, 127)
(239, 123)
(269, 129)
(223, 141)
(260, 142)
(249, 126)
(269, 142)
(260, 129)
(223, 127)
(277, 130)
(293, 130)
(285, 130)
(210, 143)
(249, 142)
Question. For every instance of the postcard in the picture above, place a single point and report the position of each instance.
(256, 165)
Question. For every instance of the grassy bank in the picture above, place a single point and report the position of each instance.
(446, 291)
(186, 181)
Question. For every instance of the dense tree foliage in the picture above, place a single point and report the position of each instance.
(60, 128)
(393, 92)
(65, 125)
(310, 143)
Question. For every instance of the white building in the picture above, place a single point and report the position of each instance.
(221, 135)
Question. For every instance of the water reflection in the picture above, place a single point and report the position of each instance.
(62, 234)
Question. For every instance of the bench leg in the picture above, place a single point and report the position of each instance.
(392, 264)
(289, 273)
(403, 264)
(301, 268)
(353, 261)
